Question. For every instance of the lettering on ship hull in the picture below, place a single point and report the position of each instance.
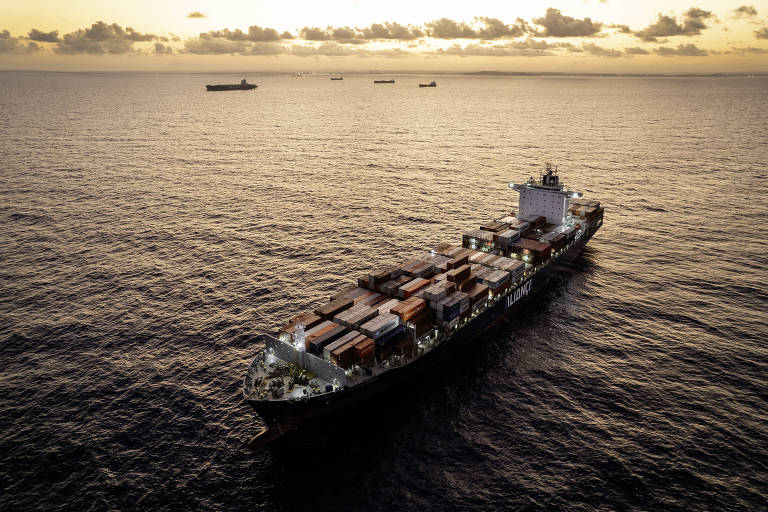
(519, 294)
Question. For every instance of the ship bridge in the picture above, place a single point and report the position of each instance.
(546, 197)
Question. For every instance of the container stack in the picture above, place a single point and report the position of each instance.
(457, 275)
(380, 325)
(504, 239)
(496, 280)
(330, 309)
(418, 268)
(534, 251)
(536, 222)
(478, 295)
(378, 278)
(447, 311)
(355, 316)
(364, 351)
(438, 291)
(409, 309)
(495, 226)
(348, 339)
(390, 287)
(386, 305)
(321, 335)
(438, 261)
(478, 239)
(407, 290)
(308, 319)
(556, 240)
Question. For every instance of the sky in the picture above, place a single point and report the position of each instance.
(574, 36)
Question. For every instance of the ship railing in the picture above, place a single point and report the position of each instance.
(249, 381)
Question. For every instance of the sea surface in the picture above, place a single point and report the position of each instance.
(150, 232)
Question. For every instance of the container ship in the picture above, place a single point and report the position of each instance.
(399, 321)
(242, 86)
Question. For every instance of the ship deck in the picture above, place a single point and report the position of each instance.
(267, 375)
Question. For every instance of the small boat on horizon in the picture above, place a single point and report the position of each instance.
(391, 81)
(430, 84)
(337, 78)
(242, 86)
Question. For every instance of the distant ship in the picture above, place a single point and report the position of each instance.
(399, 321)
(383, 81)
(337, 78)
(242, 86)
(430, 84)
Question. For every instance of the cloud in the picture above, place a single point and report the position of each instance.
(557, 25)
(762, 33)
(526, 48)
(314, 34)
(348, 35)
(255, 33)
(195, 14)
(600, 51)
(334, 49)
(161, 49)
(623, 29)
(391, 31)
(489, 28)
(100, 39)
(636, 50)
(44, 37)
(751, 49)
(9, 44)
(209, 44)
(682, 50)
(665, 26)
(745, 11)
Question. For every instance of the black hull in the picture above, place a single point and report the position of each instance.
(282, 415)
(236, 87)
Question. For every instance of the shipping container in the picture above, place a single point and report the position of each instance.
(379, 325)
(350, 336)
(438, 290)
(405, 291)
(331, 309)
(534, 251)
(459, 274)
(316, 344)
(409, 308)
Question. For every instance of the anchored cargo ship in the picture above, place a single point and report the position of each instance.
(399, 321)
(242, 86)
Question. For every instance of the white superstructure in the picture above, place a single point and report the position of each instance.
(547, 198)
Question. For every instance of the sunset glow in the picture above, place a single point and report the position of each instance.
(562, 36)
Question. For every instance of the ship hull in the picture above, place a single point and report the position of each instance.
(234, 87)
(283, 415)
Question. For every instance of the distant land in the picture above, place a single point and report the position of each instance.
(404, 72)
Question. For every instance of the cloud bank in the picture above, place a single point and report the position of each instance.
(666, 26)
(9, 44)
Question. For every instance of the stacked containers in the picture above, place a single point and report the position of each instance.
(407, 290)
(376, 279)
(494, 226)
(364, 351)
(409, 308)
(355, 316)
(457, 275)
(438, 291)
(536, 222)
(386, 306)
(534, 251)
(380, 325)
(478, 295)
(320, 336)
(308, 319)
(344, 340)
(331, 309)
(478, 239)
(556, 240)
(390, 287)
(418, 268)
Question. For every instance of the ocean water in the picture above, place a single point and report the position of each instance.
(150, 231)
